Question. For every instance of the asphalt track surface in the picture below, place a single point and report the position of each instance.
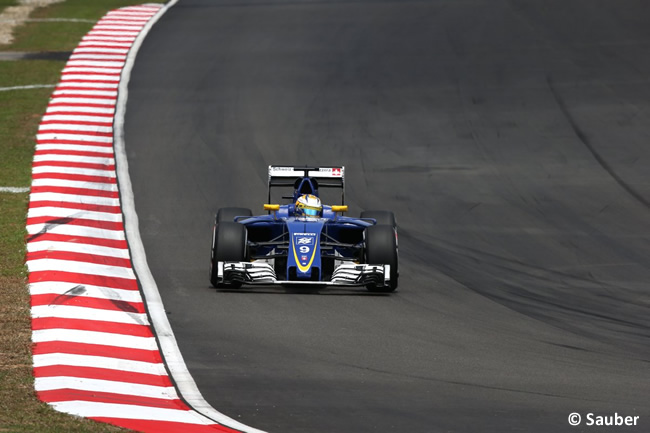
(511, 140)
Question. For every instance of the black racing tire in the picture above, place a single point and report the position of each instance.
(229, 213)
(383, 217)
(381, 249)
(228, 245)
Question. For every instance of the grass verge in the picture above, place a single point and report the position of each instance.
(20, 113)
(64, 35)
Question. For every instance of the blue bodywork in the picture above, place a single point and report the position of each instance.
(305, 248)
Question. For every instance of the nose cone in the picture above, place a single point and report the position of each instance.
(304, 254)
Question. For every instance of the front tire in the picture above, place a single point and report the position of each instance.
(381, 249)
(383, 217)
(228, 245)
(228, 214)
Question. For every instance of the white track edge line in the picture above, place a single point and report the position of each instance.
(169, 347)
(14, 189)
(31, 86)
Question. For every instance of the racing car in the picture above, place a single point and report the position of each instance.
(304, 242)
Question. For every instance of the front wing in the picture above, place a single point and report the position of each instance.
(260, 272)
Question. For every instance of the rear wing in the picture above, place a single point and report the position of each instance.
(290, 176)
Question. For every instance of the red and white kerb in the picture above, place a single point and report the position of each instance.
(95, 353)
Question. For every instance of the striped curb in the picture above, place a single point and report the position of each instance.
(95, 351)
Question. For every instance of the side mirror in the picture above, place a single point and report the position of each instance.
(273, 208)
(339, 208)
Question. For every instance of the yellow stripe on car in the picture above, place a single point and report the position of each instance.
(295, 255)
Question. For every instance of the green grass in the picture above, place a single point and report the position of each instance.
(20, 114)
(6, 3)
(12, 235)
(84, 9)
(20, 411)
(63, 36)
(57, 36)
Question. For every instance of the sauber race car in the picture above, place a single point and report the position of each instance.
(304, 242)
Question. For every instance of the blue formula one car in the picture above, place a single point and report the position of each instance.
(304, 242)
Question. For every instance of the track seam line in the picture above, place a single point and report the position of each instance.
(587, 143)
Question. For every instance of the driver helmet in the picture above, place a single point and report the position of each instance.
(308, 205)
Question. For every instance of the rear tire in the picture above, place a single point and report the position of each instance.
(228, 245)
(381, 249)
(383, 217)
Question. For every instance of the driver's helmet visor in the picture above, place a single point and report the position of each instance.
(312, 212)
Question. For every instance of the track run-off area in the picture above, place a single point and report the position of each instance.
(100, 348)
(510, 138)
